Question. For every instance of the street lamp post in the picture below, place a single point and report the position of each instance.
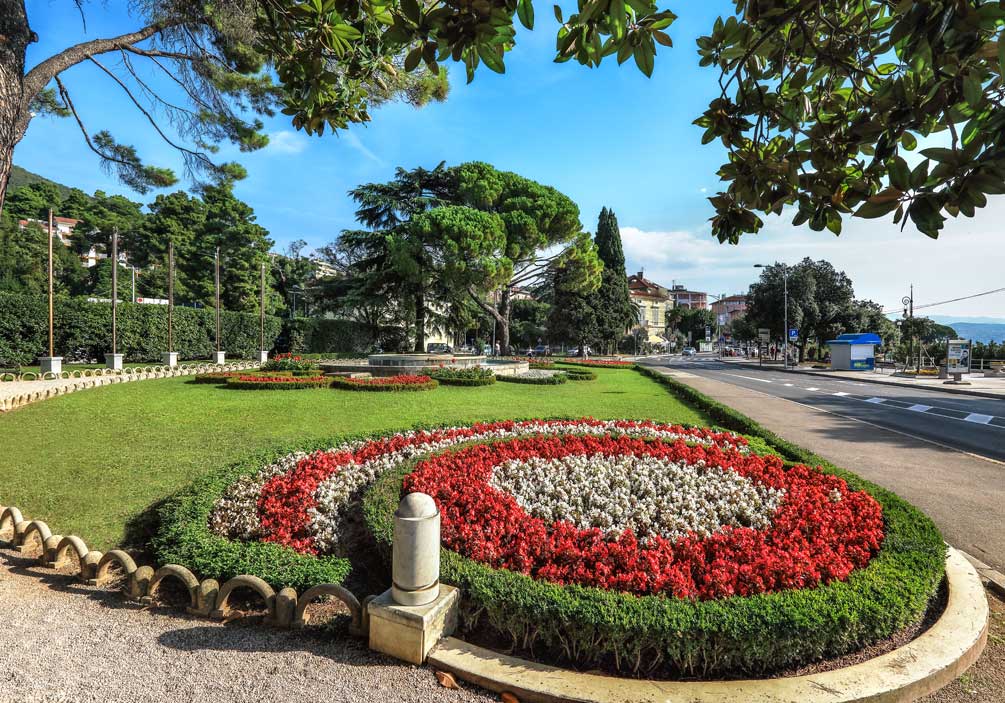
(785, 332)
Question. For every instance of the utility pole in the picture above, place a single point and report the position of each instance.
(785, 344)
(217, 281)
(170, 296)
(51, 346)
(115, 288)
(261, 310)
(132, 277)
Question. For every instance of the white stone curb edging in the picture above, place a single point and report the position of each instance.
(77, 383)
(921, 666)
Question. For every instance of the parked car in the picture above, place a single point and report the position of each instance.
(542, 350)
(439, 348)
(689, 351)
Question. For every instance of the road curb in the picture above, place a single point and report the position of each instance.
(993, 579)
(865, 379)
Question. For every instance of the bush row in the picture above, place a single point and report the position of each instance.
(380, 384)
(581, 375)
(473, 376)
(269, 382)
(83, 330)
(553, 380)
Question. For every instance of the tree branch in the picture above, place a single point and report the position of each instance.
(37, 78)
(64, 93)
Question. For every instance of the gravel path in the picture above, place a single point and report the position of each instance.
(63, 641)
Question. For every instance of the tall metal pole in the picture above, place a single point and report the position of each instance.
(132, 279)
(51, 345)
(261, 306)
(170, 296)
(785, 344)
(218, 299)
(115, 287)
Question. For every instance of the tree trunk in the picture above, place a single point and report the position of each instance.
(14, 104)
(420, 322)
(504, 312)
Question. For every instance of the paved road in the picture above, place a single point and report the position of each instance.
(967, 423)
(946, 464)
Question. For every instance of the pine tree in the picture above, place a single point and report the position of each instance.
(612, 305)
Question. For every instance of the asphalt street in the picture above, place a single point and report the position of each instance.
(967, 423)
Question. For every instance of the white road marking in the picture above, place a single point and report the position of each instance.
(979, 418)
(840, 393)
(814, 388)
(751, 378)
(920, 408)
(789, 385)
(876, 400)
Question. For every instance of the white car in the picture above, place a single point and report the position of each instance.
(689, 351)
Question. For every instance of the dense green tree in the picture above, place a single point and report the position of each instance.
(573, 318)
(292, 274)
(102, 216)
(33, 201)
(176, 217)
(529, 323)
(692, 323)
(611, 302)
(24, 261)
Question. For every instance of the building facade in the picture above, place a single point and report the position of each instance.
(653, 302)
(684, 298)
(730, 308)
(63, 228)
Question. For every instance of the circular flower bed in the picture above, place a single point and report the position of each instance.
(217, 377)
(258, 382)
(633, 546)
(403, 382)
(535, 377)
(290, 362)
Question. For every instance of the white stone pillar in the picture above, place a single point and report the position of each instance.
(50, 364)
(114, 361)
(415, 561)
(263, 356)
(170, 359)
(220, 358)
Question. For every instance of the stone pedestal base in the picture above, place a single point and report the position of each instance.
(169, 359)
(50, 364)
(220, 358)
(409, 632)
(114, 361)
(263, 356)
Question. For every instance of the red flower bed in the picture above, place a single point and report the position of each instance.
(820, 532)
(403, 382)
(599, 363)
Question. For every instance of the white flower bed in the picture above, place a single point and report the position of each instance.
(649, 495)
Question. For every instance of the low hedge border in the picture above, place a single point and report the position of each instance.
(217, 377)
(347, 384)
(730, 637)
(621, 366)
(553, 380)
(474, 376)
(447, 381)
(296, 383)
(581, 375)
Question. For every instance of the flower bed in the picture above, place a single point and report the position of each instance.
(598, 363)
(539, 378)
(402, 382)
(563, 538)
(217, 377)
(471, 376)
(258, 382)
(290, 362)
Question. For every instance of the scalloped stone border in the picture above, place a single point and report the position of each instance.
(921, 666)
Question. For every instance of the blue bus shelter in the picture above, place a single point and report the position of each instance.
(854, 352)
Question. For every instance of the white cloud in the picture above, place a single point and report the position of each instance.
(881, 260)
(287, 142)
(354, 141)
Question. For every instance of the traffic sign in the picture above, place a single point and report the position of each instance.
(793, 333)
(764, 334)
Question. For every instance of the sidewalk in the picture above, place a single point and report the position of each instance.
(979, 386)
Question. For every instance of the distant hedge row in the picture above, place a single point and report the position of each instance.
(83, 330)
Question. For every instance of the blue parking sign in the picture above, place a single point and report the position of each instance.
(793, 333)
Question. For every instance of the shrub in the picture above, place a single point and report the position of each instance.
(290, 362)
(284, 383)
(217, 377)
(598, 363)
(549, 380)
(472, 376)
(386, 383)
(581, 375)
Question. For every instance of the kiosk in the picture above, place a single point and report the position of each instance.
(854, 352)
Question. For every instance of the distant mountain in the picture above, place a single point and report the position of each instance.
(950, 320)
(979, 332)
(21, 177)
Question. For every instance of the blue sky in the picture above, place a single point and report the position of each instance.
(606, 136)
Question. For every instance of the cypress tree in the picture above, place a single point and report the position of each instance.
(612, 305)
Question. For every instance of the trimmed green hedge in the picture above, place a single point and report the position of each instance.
(184, 537)
(590, 365)
(346, 384)
(553, 380)
(731, 637)
(83, 330)
(475, 376)
(581, 375)
(217, 377)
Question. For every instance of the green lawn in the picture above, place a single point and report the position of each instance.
(88, 462)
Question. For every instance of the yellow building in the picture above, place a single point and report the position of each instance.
(653, 301)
